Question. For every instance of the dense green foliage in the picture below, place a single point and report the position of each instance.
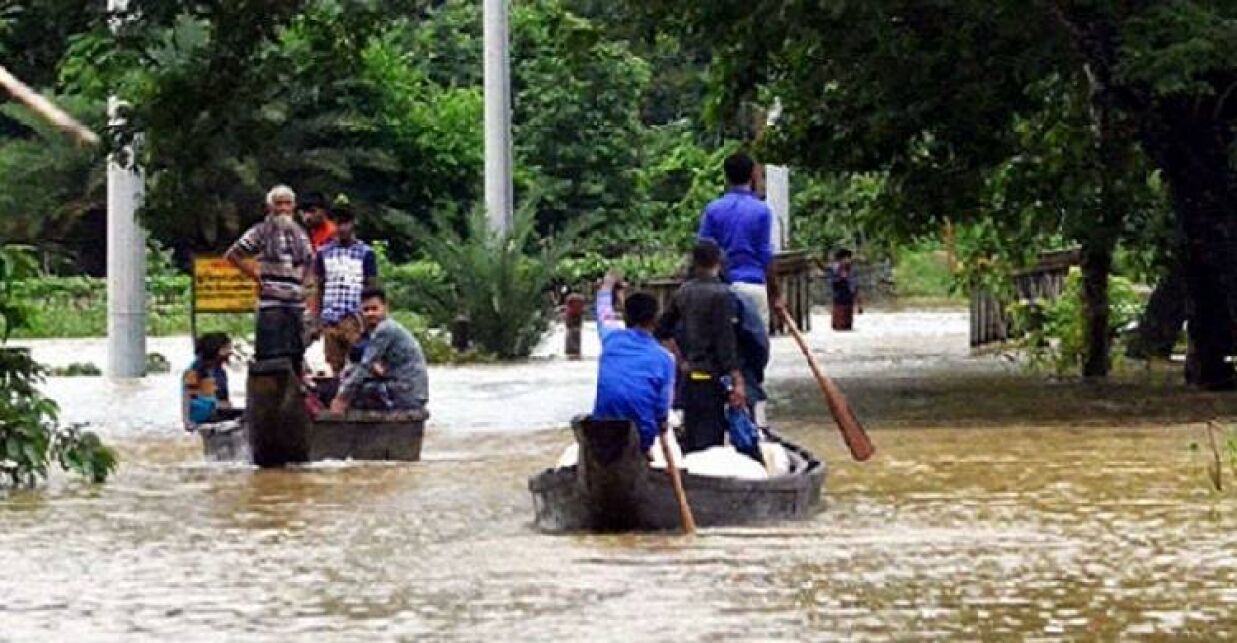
(1016, 126)
(499, 281)
(30, 437)
(379, 100)
(1054, 333)
(1040, 124)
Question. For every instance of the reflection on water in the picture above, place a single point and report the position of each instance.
(1049, 531)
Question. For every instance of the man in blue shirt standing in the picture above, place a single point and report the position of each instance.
(635, 376)
(741, 224)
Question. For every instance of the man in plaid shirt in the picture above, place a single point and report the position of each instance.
(344, 268)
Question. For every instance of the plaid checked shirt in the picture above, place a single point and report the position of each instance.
(342, 274)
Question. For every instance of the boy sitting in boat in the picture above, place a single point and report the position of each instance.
(391, 374)
(635, 375)
(205, 383)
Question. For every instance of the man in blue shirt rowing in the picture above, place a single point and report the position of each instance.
(635, 376)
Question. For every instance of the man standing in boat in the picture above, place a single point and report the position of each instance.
(741, 223)
(635, 375)
(699, 325)
(391, 374)
(284, 260)
(316, 212)
(343, 269)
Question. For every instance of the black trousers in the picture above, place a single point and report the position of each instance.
(224, 415)
(704, 413)
(281, 333)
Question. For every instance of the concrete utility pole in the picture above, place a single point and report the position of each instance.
(777, 190)
(499, 194)
(126, 254)
(777, 195)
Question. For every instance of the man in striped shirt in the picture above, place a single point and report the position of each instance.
(284, 259)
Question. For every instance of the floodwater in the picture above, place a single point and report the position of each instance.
(998, 507)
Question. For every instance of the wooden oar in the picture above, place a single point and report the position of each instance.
(852, 431)
(46, 109)
(685, 511)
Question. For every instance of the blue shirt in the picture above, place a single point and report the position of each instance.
(741, 224)
(635, 376)
(342, 273)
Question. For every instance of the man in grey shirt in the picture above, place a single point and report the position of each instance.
(391, 374)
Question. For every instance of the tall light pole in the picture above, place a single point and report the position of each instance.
(126, 251)
(499, 194)
(777, 191)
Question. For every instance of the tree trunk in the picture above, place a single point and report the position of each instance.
(1190, 143)
(1096, 264)
(1160, 324)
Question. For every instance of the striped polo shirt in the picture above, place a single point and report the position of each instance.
(283, 251)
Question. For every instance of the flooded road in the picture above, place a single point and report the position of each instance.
(998, 507)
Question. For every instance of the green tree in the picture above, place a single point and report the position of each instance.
(30, 437)
(932, 94)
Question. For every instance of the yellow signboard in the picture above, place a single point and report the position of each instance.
(219, 287)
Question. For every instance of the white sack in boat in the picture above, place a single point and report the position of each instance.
(570, 456)
(723, 462)
(777, 460)
(658, 458)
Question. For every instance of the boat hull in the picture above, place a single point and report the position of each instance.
(614, 489)
(278, 429)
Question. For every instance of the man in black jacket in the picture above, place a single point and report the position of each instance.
(699, 326)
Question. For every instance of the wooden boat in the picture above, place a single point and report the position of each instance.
(613, 488)
(278, 429)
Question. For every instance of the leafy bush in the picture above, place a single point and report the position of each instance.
(30, 437)
(1054, 333)
(500, 281)
(411, 285)
(591, 267)
(76, 369)
(922, 271)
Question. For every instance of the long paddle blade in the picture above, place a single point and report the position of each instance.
(856, 438)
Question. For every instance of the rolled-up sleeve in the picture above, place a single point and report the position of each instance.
(607, 320)
(249, 244)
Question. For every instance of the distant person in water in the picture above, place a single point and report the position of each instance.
(391, 374)
(205, 383)
(845, 285)
(635, 375)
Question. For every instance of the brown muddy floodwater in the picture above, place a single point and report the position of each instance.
(959, 529)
